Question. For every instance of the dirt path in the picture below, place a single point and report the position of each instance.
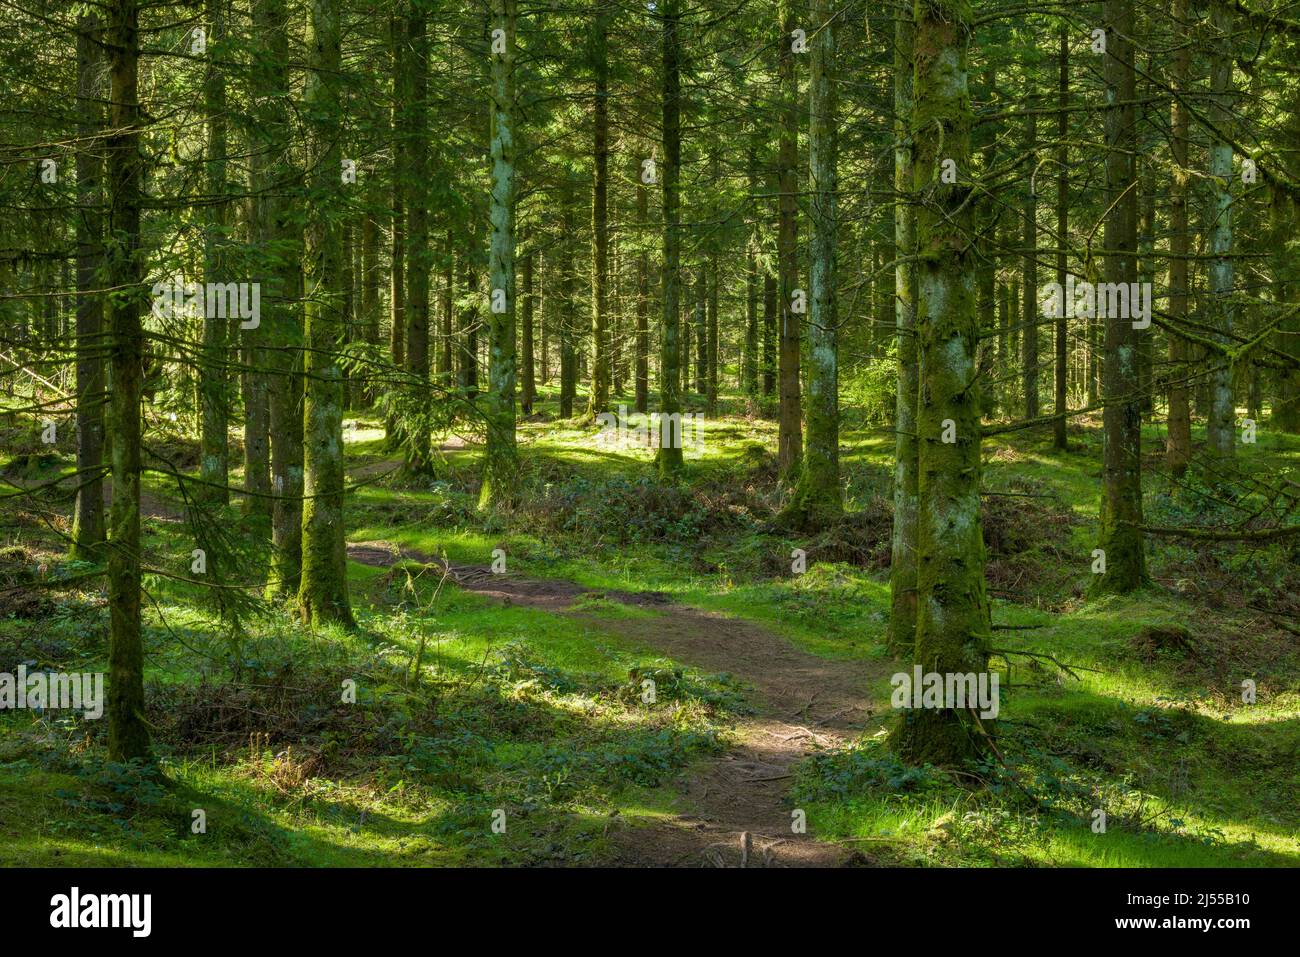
(734, 807)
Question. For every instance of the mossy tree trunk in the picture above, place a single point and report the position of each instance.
(669, 455)
(598, 401)
(213, 371)
(789, 427)
(1029, 287)
(1220, 426)
(1121, 509)
(1060, 437)
(128, 734)
(566, 313)
(642, 301)
(283, 335)
(953, 626)
(88, 531)
(500, 466)
(817, 500)
(902, 564)
(529, 387)
(397, 251)
(1178, 446)
(323, 594)
(419, 259)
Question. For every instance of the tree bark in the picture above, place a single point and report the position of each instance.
(88, 512)
(501, 458)
(669, 455)
(1121, 509)
(1059, 434)
(1220, 431)
(902, 566)
(128, 734)
(789, 436)
(818, 501)
(953, 624)
(323, 595)
(599, 399)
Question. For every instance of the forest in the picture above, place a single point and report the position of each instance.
(675, 433)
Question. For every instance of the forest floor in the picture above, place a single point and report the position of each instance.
(518, 699)
(735, 809)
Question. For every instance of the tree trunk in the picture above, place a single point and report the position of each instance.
(1121, 509)
(214, 458)
(501, 465)
(568, 308)
(88, 512)
(446, 350)
(599, 398)
(281, 326)
(642, 304)
(1178, 447)
(323, 595)
(669, 455)
(529, 393)
(953, 624)
(1220, 425)
(1029, 289)
(1059, 434)
(415, 130)
(817, 501)
(902, 566)
(789, 428)
(128, 734)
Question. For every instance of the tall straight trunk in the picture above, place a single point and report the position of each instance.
(817, 500)
(789, 436)
(256, 387)
(446, 349)
(88, 511)
(1059, 435)
(669, 455)
(370, 280)
(750, 363)
(711, 338)
(1121, 508)
(1220, 424)
(701, 328)
(1286, 383)
(642, 303)
(259, 354)
(214, 458)
(323, 595)
(500, 462)
(348, 308)
(419, 260)
(401, 102)
(469, 318)
(953, 623)
(600, 374)
(1004, 325)
(545, 320)
(1146, 274)
(529, 389)
(617, 369)
(1029, 290)
(902, 565)
(567, 309)
(988, 289)
(688, 329)
(769, 334)
(128, 734)
(281, 328)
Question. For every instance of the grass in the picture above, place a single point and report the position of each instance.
(537, 715)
